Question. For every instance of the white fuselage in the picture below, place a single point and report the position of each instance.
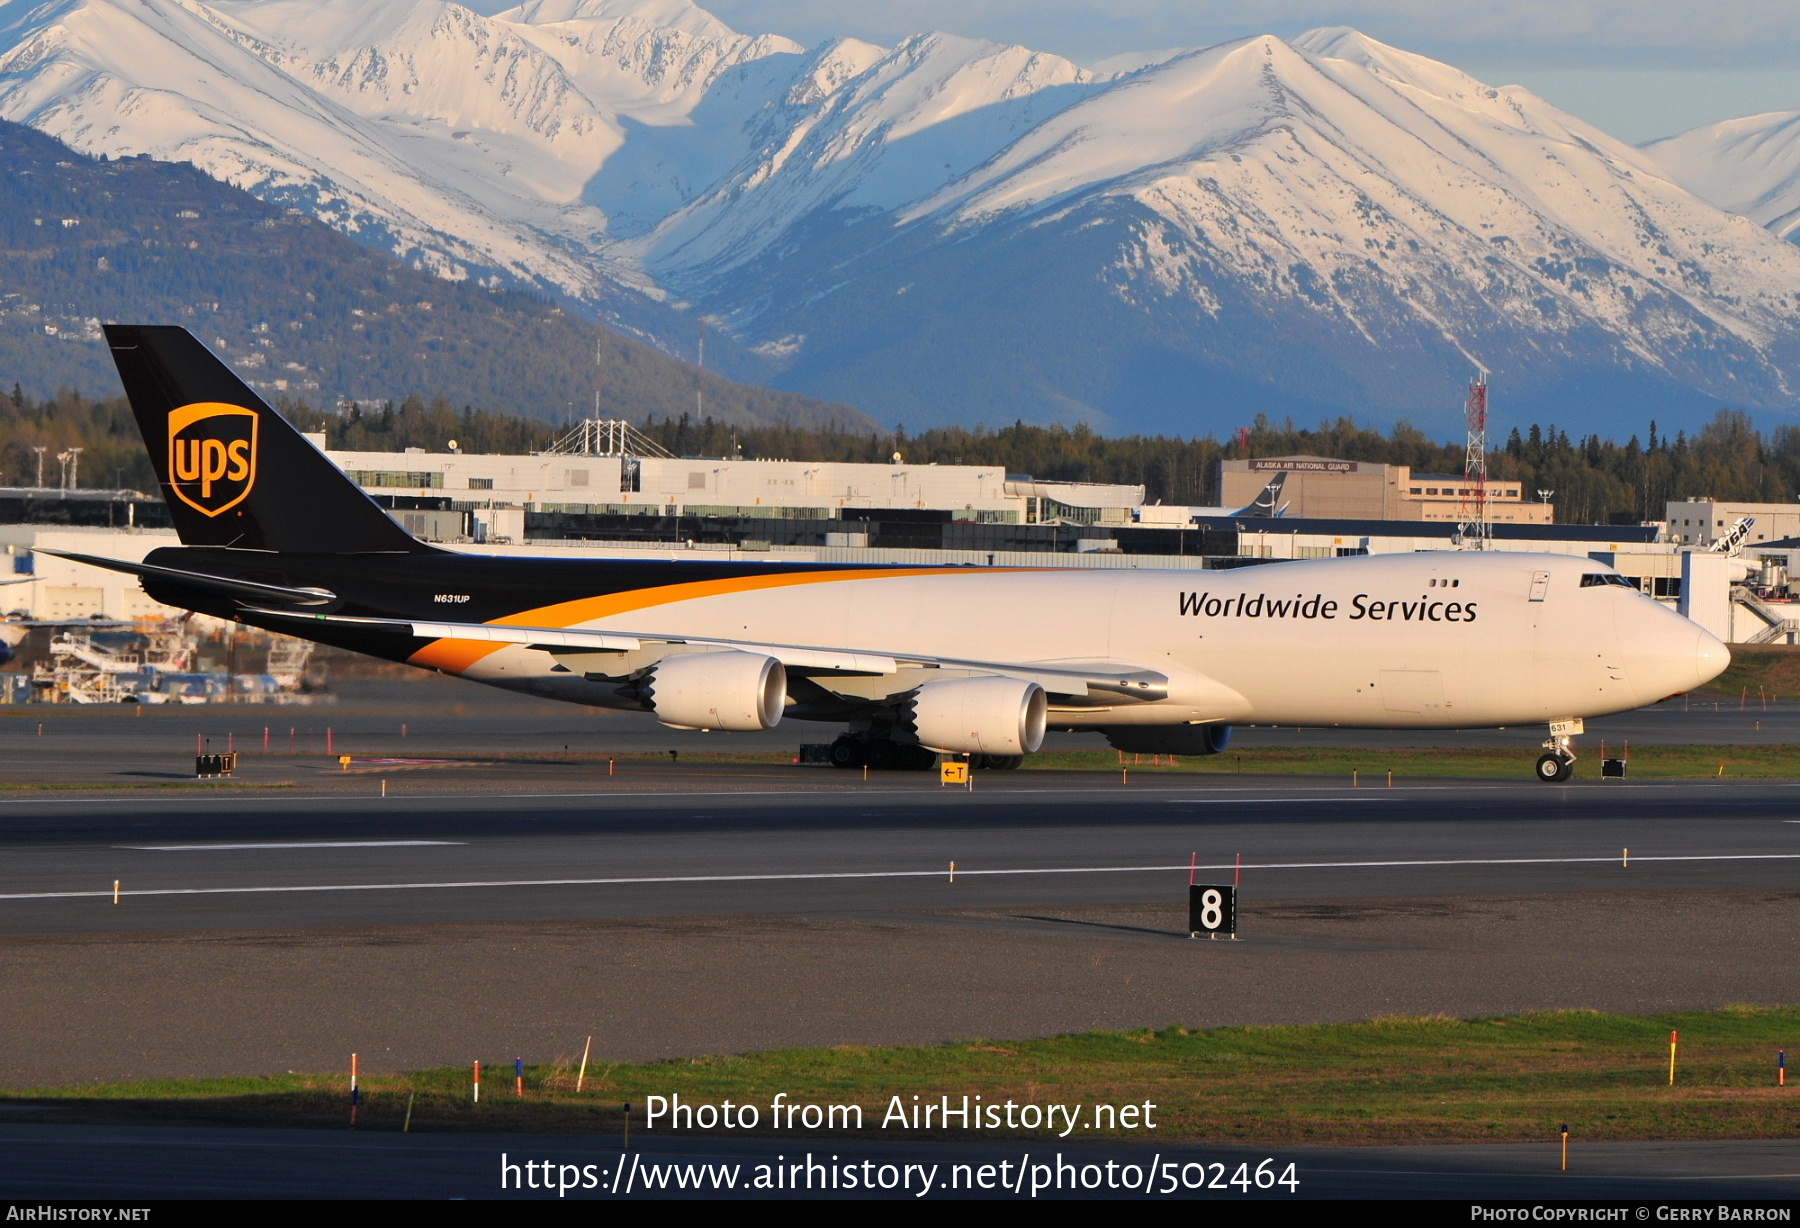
(1447, 639)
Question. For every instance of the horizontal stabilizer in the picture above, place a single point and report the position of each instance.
(248, 590)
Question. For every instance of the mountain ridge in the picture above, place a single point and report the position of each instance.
(1327, 223)
(1749, 165)
(300, 310)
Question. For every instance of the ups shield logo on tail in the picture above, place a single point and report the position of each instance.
(212, 455)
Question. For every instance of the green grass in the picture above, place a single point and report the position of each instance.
(1373, 763)
(1385, 1080)
(55, 785)
(1759, 671)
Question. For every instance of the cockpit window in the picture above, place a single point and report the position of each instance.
(1594, 580)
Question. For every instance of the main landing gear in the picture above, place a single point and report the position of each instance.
(1558, 764)
(882, 754)
(885, 754)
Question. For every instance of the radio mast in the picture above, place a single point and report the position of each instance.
(1475, 528)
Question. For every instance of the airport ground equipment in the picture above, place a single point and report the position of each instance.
(288, 659)
(80, 671)
(914, 661)
(148, 661)
(84, 670)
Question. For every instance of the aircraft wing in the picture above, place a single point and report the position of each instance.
(1059, 678)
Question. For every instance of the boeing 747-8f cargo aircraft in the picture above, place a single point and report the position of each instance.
(911, 659)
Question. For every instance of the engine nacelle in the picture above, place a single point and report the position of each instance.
(717, 690)
(989, 716)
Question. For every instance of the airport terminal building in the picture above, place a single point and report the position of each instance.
(1325, 488)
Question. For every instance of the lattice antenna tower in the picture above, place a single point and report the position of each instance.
(1474, 489)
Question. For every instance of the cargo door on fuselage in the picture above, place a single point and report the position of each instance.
(1418, 691)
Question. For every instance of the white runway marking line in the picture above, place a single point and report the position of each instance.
(663, 880)
(1323, 792)
(296, 844)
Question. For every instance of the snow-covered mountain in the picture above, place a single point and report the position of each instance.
(458, 140)
(1331, 223)
(1749, 166)
(951, 230)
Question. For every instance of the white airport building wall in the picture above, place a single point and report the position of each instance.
(1706, 591)
(64, 589)
(701, 486)
(1277, 544)
(1700, 522)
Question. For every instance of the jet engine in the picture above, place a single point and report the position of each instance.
(717, 690)
(991, 716)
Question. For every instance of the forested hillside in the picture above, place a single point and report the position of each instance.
(113, 453)
(1594, 480)
(299, 309)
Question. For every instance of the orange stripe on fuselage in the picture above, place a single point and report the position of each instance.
(454, 656)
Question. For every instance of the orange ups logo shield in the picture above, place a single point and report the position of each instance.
(212, 455)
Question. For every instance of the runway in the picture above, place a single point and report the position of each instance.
(674, 909)
(434, 716)
(810, 842)
(683, 911)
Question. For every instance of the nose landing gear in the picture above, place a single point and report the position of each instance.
(1558, 764)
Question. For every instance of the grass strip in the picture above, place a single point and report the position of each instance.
(1757, 672)
(1432, 1079)
(1372, 763)
(64, 785)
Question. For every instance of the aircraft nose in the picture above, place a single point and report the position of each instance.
(1711, 656)
(1666, 653)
